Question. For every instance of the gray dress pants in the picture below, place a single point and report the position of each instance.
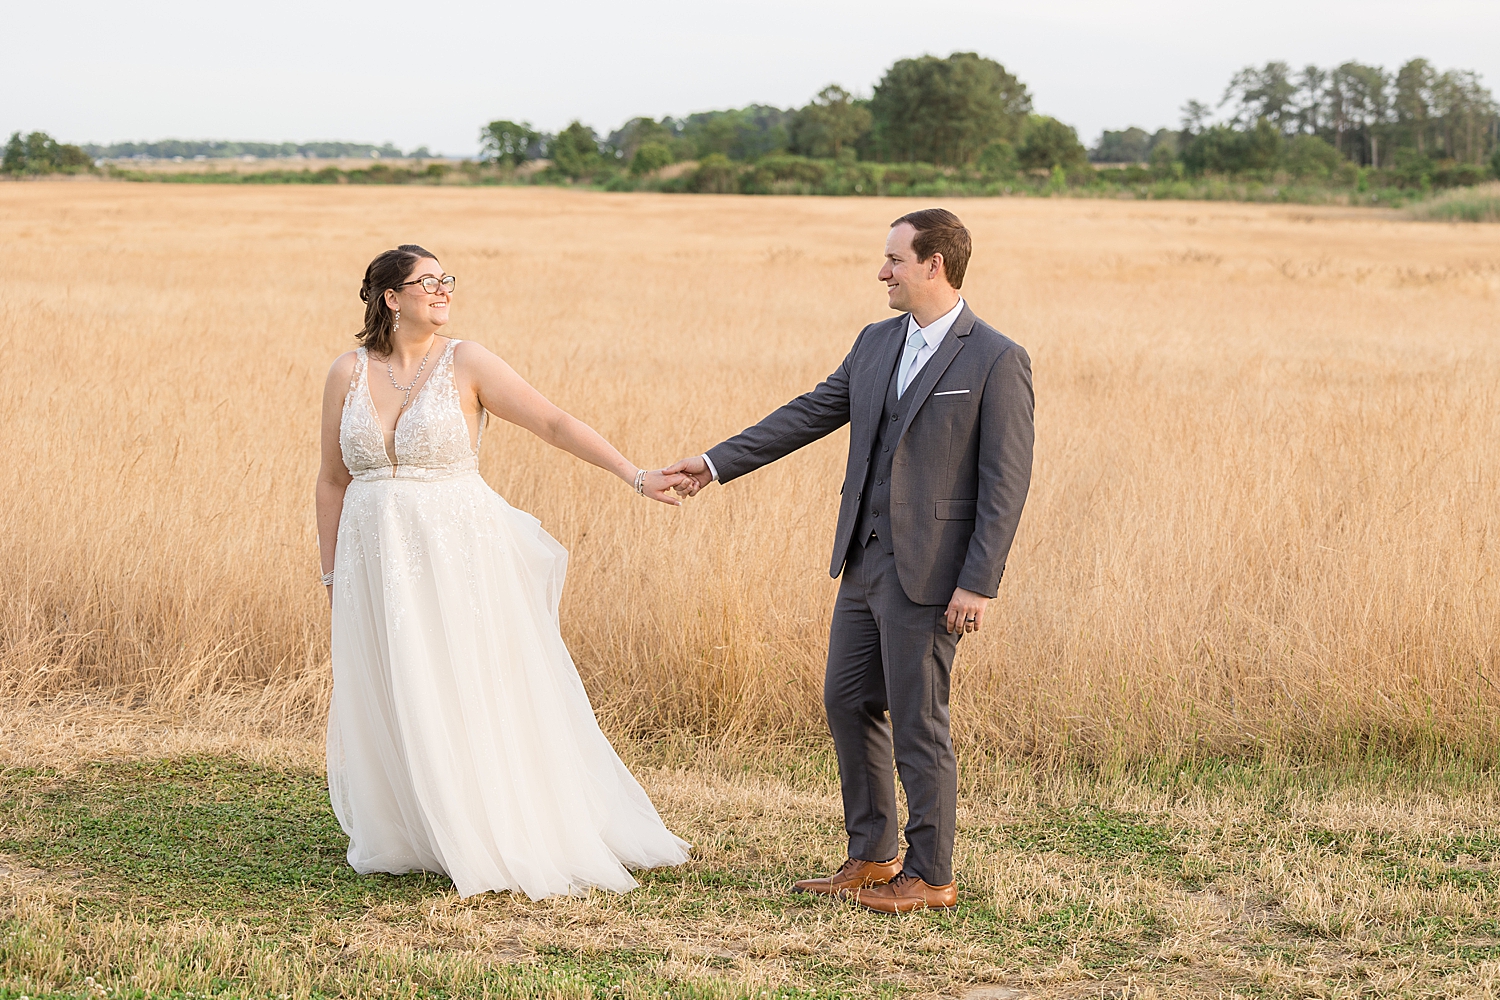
(888, 655)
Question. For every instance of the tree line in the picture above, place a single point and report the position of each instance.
(953, 111)
(968, 112)
(971, 120)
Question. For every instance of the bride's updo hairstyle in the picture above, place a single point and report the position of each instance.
(387, 270)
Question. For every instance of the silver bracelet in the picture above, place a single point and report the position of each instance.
(640, 482)
(328, 579)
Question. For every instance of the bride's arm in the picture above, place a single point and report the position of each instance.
(510, 397)
(333, 475)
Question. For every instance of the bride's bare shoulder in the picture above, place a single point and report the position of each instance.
(471, 351)
(342, 369)
(344, 362)
(476, 358)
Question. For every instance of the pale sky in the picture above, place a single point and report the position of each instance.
(432, 74)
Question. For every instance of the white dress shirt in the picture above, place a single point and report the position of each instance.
(932, 333)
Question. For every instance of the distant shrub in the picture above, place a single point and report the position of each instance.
(649, 158)
(715, 175)
(1048, 143)
(1475, 204)
(999, 159)
(1306, 157)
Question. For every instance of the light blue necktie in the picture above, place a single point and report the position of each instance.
(914, 345)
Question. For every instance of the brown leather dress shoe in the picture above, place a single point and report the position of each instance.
(905, 893)
(852, 875)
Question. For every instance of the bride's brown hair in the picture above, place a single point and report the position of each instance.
(389, 269)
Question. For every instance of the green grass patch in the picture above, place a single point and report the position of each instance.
(201, 833)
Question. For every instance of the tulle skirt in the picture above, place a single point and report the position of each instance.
(460, 739)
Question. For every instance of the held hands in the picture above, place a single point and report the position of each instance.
(660, 484)
(694, 473)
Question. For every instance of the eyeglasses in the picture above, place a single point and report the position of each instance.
(430, 285)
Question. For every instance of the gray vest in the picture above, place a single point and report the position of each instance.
(875, 498)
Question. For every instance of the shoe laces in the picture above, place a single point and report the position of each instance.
(903, 879)
(849, 864)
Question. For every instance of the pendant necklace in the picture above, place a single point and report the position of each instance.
(391, 373)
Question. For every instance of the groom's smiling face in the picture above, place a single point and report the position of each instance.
(907, 280)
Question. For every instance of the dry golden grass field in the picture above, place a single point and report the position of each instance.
(1257, 571)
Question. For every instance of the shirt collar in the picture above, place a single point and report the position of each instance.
(938, 329)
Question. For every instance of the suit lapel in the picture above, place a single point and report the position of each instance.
(939, 362)
(880, 378)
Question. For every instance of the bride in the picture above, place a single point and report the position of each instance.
(460, 739)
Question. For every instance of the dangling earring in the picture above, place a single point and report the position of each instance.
(396, 325)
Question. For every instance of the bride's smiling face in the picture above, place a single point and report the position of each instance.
(415, 302)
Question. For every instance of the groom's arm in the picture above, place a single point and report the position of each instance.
(807, 418)
(1006, 434)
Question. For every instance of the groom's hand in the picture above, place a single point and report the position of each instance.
(695, 472)
(966, 611)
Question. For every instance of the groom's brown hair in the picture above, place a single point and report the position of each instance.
(939, 231)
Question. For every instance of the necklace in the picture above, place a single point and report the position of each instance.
(391, 373)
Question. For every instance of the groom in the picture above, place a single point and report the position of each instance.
(940, 412)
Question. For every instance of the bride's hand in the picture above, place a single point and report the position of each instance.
(658, 486)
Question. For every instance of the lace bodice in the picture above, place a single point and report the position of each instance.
(432, 436)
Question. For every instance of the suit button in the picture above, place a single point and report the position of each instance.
(893, 418)
(880, 482)
(876, 514)
(884, 450)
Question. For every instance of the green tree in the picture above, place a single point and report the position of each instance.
(639, 132)
(39, 153)
(1469, 124)
(15, 155)
(1309, 111)
(1307, 157)
(1195, 116)
(999, 159)
(1223, 149)
(1359, 106)
(1265, 93)
(1413, 104)
(650, 157)
(575, 151)
(1049, 144)
(739, 134)
(1164, 162)
(946, 111)
(506, 141)
(1130, 146)
(831, 121)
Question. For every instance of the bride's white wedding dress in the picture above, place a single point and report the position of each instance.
(460, 739)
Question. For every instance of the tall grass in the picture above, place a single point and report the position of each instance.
(1263, 517)
(1480, 203)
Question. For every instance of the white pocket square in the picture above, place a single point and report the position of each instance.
(951, 392)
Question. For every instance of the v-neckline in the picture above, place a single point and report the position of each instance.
(390, 456)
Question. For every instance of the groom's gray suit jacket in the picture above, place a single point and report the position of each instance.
(962, 465)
